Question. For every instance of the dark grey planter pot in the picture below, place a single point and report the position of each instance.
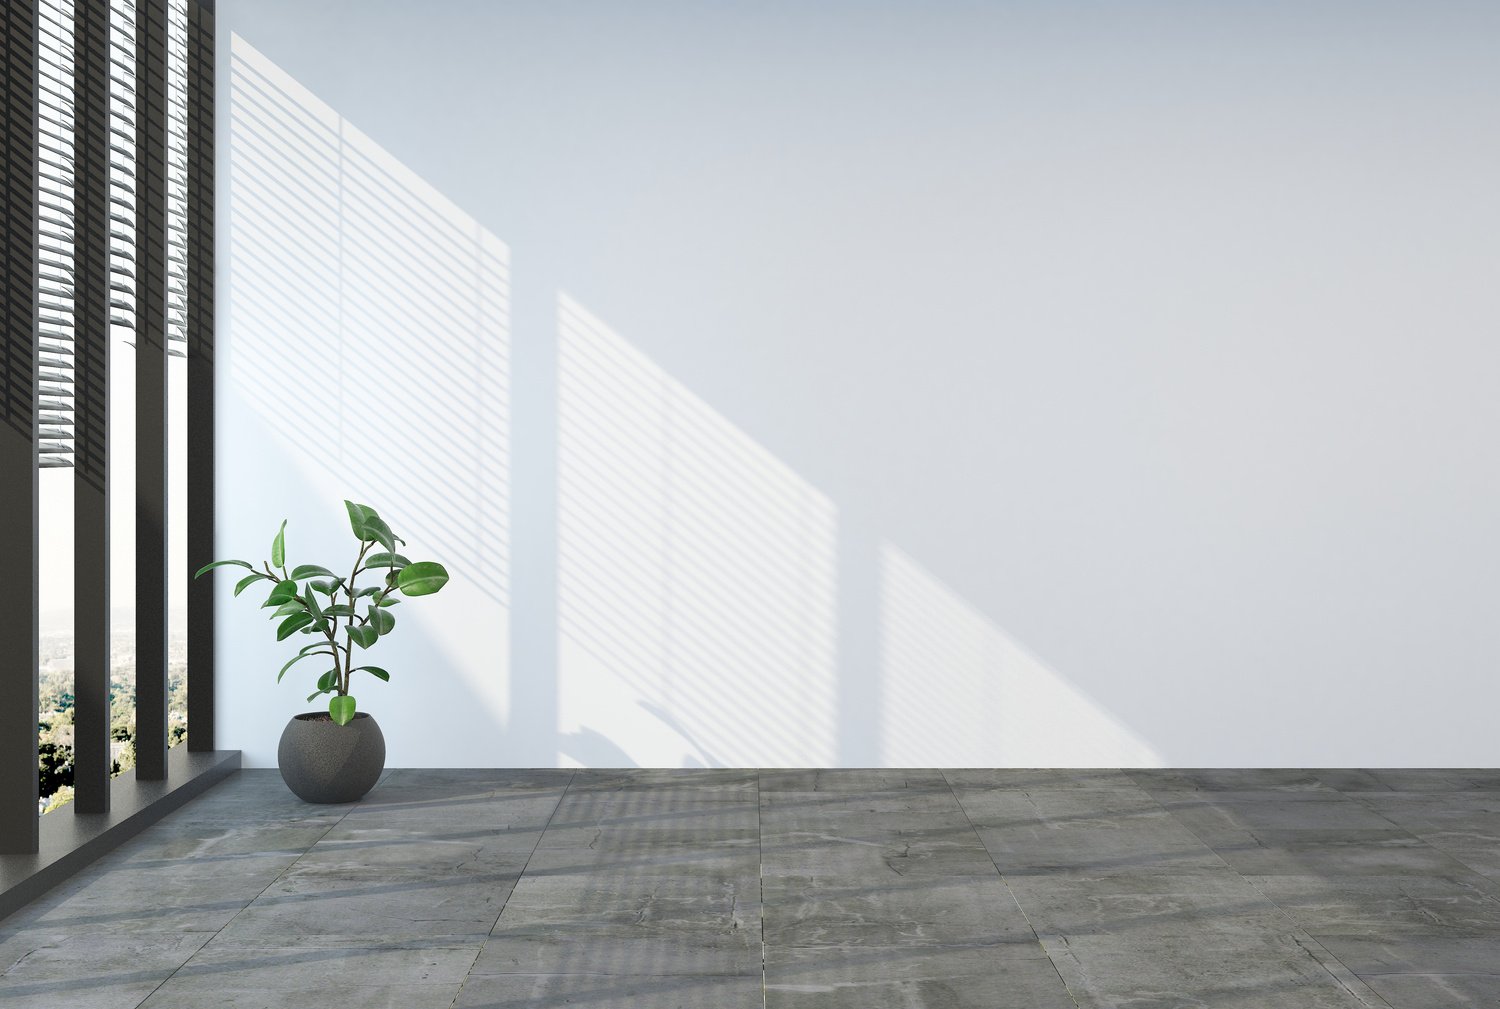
(322, 761)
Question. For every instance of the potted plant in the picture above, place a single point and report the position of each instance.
(337, 755)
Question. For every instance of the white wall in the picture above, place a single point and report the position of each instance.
(877, 384)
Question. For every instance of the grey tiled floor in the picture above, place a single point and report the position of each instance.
(713, 889)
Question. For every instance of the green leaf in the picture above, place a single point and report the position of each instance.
(300, 656)
(386, 559)
(220, 564)
(364, 635)
(283, 592)
(368, 590)
(248, 581)
(342, 709)
(338, 610)
(309, 649)
(292, 624)
(422, 578)
(311, 599)
(278, 547)
(302, 572)
(359, 517)
(287, 608)
(375, 671)
(382, 621)
(328, 588)
(389, 601)
(326, 681)
(376, 527)
(318, 693)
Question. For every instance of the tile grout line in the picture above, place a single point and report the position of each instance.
(519, 876)
(1298, 931)
(279, 877)
(760, 880)
(1006, 883)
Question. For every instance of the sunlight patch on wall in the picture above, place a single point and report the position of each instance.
(956, 691)
(696, 572)
(369, 328)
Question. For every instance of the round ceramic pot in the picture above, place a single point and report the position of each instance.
(322, 761)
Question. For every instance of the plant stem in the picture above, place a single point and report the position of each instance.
(349, 646)
(333, 640)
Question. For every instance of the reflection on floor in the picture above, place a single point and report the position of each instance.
(713, 889)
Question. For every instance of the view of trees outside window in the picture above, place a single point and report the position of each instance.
(55, 711)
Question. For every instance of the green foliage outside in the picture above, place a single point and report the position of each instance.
(55, 730)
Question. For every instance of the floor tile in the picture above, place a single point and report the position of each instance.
(659, 899)
(1437, 991)
(1430, 953)
(1027, 778)
(852, 780)
(1224, 971)
(1352, 853)
(1382, 905)
(337, 906)
(1236, 779)
(94, 970)
(871, 977)
(530, 991)
(347, 975)
(174, 995)
(820, 911)
(625, 948)
(1206, 815)
(167, 895)
(1183, 903)
(868, 888)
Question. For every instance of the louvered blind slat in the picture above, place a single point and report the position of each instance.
(57, 203)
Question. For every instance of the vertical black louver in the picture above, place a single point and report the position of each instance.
(197, 263)
(93, 305)
(108, 202)
(20, 392)
(151, 298)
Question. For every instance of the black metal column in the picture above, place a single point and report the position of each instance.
(91, 761)
(19, 394)
(150, 390)
(200, 368)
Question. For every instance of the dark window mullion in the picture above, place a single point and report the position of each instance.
(200, 369)
(91, 623)
(19, 395)
(151, 390)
